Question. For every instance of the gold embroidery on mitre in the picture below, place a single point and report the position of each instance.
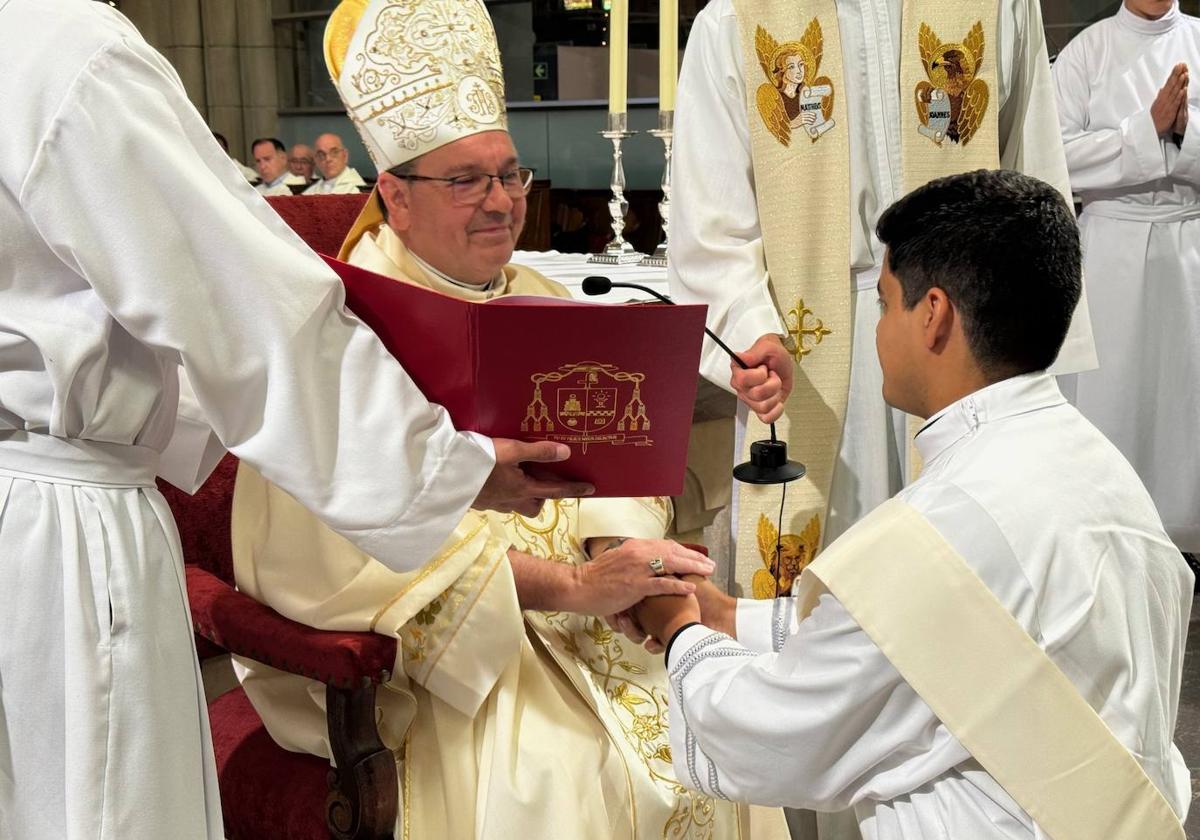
(798, 330)
(781, 571)
(794, 97)
(586, 399)
(415, 74)
(951, 104)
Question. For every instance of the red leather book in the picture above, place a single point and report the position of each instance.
(615, 382)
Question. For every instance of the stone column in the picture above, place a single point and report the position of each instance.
(224, 51)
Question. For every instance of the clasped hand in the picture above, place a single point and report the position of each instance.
(623, 576)
(1169, 111)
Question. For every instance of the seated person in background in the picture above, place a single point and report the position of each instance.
(996, 652)
(300, 161)
(516, 712)
(336, 176)
(249, 172)
(271, 161)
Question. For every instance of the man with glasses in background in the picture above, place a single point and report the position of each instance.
(336, 176)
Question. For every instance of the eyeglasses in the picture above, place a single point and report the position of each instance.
(469, 190)
(331, 153)
(300, 160)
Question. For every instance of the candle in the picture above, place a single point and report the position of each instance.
(668, 53)
(618, 55)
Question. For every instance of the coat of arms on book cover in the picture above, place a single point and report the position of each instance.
(588, 403)
(951, 104)
(794, 97)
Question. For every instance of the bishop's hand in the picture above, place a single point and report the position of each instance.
(510, 489)
(622, 576)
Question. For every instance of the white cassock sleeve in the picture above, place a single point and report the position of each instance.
(1102, 158)
(821, 724)
(716, 244)
(191, 262)
(1183, 163)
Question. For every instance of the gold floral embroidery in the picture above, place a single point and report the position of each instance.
(616, 670)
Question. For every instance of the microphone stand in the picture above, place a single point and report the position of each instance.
(768, 462)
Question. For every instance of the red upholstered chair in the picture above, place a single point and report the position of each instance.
(321, 220)
(268, 793)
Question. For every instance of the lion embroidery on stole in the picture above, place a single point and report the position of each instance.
(783, 567)
(951, 104)
(794, 97)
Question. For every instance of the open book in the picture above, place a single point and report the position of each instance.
(615, 382)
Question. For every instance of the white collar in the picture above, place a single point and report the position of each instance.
(1006, 398)
(1143, 26)
(477, 287)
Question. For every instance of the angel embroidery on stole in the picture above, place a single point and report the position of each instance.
(794, 98)
(952, 103)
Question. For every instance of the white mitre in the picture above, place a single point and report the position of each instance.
(415, 74)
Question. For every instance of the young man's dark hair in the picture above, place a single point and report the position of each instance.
(220, 138)
(274, 141)
(1004, 247)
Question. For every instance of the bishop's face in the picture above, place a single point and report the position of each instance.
(470, 243)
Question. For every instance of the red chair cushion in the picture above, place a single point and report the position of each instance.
(204, 519)
(321, 220)
(267, 793)
(241, 625)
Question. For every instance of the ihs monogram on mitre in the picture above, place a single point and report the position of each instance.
(794, 98)
(417, 73)
(952, 103)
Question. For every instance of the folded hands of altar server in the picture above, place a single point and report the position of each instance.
(766, 383)
(511, 488)
(655, 620)
(1169, 109)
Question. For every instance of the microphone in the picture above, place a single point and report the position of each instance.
(768, 462)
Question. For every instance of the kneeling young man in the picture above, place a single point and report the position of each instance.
(995, 652)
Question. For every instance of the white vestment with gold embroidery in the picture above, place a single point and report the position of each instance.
(505, 723)
(717, 254)
(1057, 526)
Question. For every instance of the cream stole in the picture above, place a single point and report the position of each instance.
(1025, 722)
(796, 96)
(801, 168)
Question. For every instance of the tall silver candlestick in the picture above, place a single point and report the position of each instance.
(666, 133)
(618, 251)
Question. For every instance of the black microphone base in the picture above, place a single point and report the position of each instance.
(769, 464)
